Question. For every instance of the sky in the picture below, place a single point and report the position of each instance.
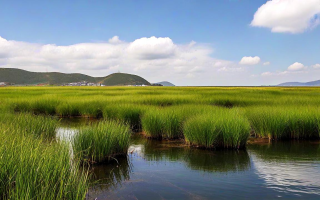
(186, 42)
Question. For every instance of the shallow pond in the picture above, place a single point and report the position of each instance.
(171, 170)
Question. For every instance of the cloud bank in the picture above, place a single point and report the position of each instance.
(154, 58)
(316, 66)
(291, 16)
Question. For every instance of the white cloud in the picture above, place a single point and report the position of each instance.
(296, 67)
(250, 60)
(154, 58)
(316, 66)
(152, 48)
(266, 74)
(230, 69)
(266, 63)
(293, 16)
(288, 73)
(115, 40)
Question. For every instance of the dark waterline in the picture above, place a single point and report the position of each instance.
(170, 170)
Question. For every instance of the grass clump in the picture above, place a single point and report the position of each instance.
(152, 124)
(128, 113)
(286, 122)
(101, 141)
(168, 122)
(227, 129)
(35, 169)
(162, 123)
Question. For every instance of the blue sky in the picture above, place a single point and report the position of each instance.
(222, 30)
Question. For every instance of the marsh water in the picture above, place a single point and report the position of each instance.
(170, 170)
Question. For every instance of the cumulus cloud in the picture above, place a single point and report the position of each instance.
(266, 63)
(296, 67)
(115, 40)
(293, 16)
(152, 48)
(316, 66)
(250, 60)
(153, 58)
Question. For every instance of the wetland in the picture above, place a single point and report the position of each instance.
(159, 143)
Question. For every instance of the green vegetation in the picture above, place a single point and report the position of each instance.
(35, 164)
(101, 141)
(220, 129)
(22, 77)
(285, 122)
(128, 113)
(123, 79)
(32, 165)
(168, 122)
(162, 112)
(38, 126)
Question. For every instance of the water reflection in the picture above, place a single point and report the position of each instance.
(225, 161)
(195, 159)
(288, 167)
(109, 176)
(171, 170)
(65, 134)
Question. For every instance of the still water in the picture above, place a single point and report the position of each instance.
(170, 170)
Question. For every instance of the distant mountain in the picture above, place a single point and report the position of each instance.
(22, 77)
(165, 83)
(311, 83)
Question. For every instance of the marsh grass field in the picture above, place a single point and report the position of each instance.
(35, 163)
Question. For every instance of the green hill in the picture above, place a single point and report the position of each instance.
(123, 79)
(22, 77)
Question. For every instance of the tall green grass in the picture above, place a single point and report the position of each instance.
(45, 106)
(163, 123)
(39, 126)
(152, 124)
(223, 129)
(74, 108)
(35, 169)
(101, 142)
(162, 112)
(286, 122)
(168, 122)
(128, 113)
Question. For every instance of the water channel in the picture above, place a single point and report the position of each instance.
(171, 170)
